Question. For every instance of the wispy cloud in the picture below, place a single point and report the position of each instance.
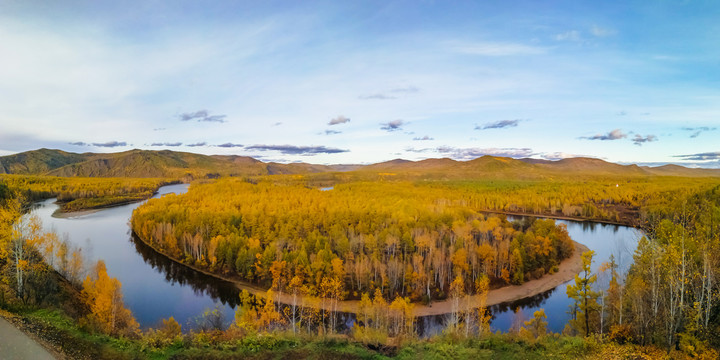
(570, 35)
(377, 97)
(277, 123)
(297, 150)
(424, 138)
(78, 143)
(338, 120)
(639, 139)
(616, 134)
(598, 31)
(332, 132)
(158, 129)
(166, 144)
(499, 124)
(621, 113)
(197, 144)
(424, 150)
(110, 144)
(229, 145)
(391, 94)
(472, 153)
(393, 125)
(696, 131)
(700, 156)
(202, 116)
(561, 155)
(405, 90)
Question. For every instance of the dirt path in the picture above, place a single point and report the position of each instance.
(14, 344)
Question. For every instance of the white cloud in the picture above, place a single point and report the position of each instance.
(601, 32)
(571, 35)
(561, 155)
(472, 153)
(339, 120)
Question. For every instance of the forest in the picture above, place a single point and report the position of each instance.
(402, 239)
(391, 243)
(77, 193)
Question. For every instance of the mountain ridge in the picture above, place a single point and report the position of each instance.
(175, 164)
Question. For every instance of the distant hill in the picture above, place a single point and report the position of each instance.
(503, 167)
(392, 164)
(144, 163)
(38, 161)
(590, 166)
(173, 164)
(675, 170)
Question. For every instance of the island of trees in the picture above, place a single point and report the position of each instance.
(400, 238)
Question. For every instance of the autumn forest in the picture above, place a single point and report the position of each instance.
(381, 242)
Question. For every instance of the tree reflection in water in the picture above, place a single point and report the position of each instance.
(202, 284)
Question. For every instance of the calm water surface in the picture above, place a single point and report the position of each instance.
(605, 239)
(155, 287)
(152, 289)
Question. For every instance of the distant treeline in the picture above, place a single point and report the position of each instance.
(75, 193)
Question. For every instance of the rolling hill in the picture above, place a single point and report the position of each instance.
(173, 164)
(144, 164)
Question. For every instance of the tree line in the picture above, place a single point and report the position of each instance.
(403, 239)
(670, 296)
(76, 193)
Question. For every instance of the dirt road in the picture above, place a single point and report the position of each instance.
(15, 345)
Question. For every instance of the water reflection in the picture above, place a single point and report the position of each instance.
(156, 287)
(603, 238)
(202, 285)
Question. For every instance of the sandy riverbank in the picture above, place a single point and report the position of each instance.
(59, 214)
(566, 272)
(568, 268)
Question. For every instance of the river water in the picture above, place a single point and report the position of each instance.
(155, 287)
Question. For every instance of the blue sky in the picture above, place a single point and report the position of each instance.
(365, 81)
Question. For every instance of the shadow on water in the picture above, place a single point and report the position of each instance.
(202, 284)
(435, 324)
(600, 237)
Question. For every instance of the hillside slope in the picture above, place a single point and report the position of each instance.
(38, 161)
(144, 164)
(173, 164)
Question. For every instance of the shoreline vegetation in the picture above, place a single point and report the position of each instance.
(567, 270)
(664, 306)
(417, 242)
(62, 213)
(84, 193)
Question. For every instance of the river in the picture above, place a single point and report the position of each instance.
(155, 287)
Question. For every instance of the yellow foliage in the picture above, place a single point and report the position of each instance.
(104, 297)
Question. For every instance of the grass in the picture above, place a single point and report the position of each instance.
(67, 337)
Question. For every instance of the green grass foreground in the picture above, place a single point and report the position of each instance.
(73, 341)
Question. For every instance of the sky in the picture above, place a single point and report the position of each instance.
(331, 82)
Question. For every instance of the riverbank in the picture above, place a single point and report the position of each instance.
(627, 223)
(567, 270)
(61, 213)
